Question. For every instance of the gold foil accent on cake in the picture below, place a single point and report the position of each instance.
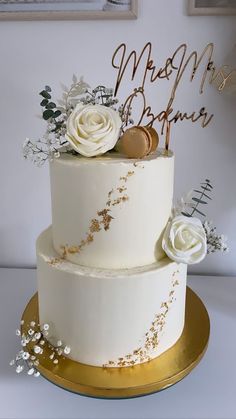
(138, 164)
(121, 189)
(101, 223)
(125, 178)
(152, 336)
(54, 261)
(117, 201)
(106, 218)
(94, 226)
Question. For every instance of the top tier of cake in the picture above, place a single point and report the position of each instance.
(110, 211)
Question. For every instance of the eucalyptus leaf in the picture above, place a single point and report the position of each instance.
(203, 193)
(205, 189)
(207, 184)
(44, 102)
(199, 212)
(51, 105)
(186, 214)
(200, 201)
(45, 94)
(60, 108)
(48, 114)
(56, 113)
(207, 196)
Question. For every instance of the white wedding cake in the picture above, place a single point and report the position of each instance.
(105, 285)
(112, 266)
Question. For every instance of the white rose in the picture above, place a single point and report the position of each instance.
(184, 240)
(93, 129)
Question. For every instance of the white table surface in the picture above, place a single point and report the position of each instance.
(209, 391)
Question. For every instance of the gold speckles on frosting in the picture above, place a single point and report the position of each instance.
(121, 189)
(152, 336)
(138, 164)
(54, 261)
(106, 218)
(125, 178)
(118, 200)
(94, 226)
(102, 221)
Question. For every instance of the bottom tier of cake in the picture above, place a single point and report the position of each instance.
(111, 318)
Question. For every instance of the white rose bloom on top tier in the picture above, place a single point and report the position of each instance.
(184, 240)
(93, 129)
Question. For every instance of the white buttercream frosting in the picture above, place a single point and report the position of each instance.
(105, 315)
(111, 211)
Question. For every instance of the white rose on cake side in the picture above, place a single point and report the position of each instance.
(93, 129)
(184, 240)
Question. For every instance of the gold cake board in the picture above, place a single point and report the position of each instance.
(142, 379)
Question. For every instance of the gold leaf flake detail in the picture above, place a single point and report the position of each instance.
(151, 338)
(104, 220)
(94, 226)
(54, 261)
(125, 178)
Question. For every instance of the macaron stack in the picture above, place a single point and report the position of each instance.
(138, 141)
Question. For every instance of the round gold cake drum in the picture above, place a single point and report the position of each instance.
(146, 378)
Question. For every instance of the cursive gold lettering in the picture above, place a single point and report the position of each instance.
(174, 68)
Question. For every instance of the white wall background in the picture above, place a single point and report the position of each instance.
(37, 53)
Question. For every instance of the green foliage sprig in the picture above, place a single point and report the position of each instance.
(50, 110)
(189, 205)
(202, 198)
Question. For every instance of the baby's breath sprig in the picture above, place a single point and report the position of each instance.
(27, 360)
(32, 347)
(125, 116)
(215, 242)
(42, 150)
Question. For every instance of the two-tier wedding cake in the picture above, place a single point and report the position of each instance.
(112, 266)
(105, 285)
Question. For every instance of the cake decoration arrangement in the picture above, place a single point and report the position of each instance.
(112, 266)
(33, 343)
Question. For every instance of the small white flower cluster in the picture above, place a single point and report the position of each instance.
(125, 116)
(28, 359)
(101, 95)
(45, 149)
(215, 242)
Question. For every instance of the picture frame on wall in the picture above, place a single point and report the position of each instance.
(212, 7)
(68, 9)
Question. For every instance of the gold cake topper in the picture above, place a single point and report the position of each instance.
(143, 68)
